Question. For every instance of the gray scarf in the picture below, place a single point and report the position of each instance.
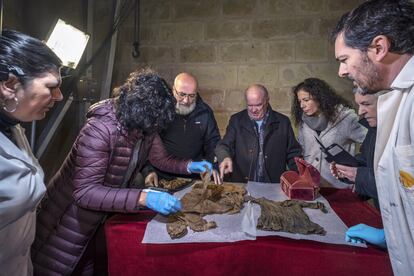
(317, 123)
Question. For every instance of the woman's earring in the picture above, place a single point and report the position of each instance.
(13, 109)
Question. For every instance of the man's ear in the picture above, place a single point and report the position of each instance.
(380, 47)
(8, 87)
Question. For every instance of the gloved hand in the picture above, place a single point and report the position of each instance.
(363, 232)
(162, 202)
(199, 167)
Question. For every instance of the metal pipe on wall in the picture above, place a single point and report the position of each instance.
(1, 15)
(107, 80)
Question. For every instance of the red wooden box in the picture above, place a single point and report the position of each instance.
(303, 186)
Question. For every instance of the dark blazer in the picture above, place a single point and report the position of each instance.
(241, 144)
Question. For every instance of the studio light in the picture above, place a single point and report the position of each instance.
(68, 43)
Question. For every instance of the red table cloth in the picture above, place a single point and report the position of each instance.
(264, 256)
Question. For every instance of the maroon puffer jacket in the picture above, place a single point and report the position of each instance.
(87, 187)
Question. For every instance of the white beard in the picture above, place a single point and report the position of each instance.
(184, 110)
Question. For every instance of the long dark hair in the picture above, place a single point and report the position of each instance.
(144, 102)
(391, 18)
(323, 94)
(30, 56)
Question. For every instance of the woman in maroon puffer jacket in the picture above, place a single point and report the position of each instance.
(88, 185)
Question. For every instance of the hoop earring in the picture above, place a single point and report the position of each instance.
(16, 104)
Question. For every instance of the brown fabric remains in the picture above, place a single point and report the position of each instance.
(177, 224)
(173, 184)
(287, 216)
(205, 198)
(214, 199)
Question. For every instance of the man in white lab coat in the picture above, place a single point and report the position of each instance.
(374, 44)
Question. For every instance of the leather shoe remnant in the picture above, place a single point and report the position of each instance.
(287, 216)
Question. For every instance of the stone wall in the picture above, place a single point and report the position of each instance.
(229, 44)
(226, 44)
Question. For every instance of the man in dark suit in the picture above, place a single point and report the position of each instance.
(259, 142)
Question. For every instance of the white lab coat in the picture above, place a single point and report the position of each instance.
(21, 189)
(394, 152)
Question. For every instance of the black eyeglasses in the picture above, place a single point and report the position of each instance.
(183, 95)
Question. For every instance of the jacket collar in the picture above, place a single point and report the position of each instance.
(342, 113)
(6, 122)
(365, 123)
(405, 78)
(271, 123)
(20, 151)
(273, 118)
(9, 147)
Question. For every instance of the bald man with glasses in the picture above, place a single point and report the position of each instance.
(194, 133)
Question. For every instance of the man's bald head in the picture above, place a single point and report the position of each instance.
(186, 79)
(257, 100)
(257, 88)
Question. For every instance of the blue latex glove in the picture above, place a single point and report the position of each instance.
(362, 232)
(198, 167)
(162, 202)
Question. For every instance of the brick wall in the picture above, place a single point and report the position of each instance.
(229, 44)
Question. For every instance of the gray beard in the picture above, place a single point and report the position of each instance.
(184, 110)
